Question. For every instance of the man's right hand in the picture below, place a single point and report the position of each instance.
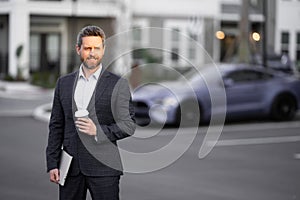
(54, 175)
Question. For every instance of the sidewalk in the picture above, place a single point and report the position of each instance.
(21, 90)
(24, 99)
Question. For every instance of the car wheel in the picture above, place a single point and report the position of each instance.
(188, 114)
(283, 108)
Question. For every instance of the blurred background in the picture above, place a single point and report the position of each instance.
(37, 37)
(163, 39)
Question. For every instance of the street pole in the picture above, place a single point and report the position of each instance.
(244, 49)
(265, 29)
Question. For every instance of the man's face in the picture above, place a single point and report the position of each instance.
(91, 51)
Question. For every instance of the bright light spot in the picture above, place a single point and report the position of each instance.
(220, 35)
(256, 36)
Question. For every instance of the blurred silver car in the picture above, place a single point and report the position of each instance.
(250, 91)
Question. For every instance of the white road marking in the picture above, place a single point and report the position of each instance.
(257, 141)
(24, 96)
(16, 113)
(297, 156)
(262, 126)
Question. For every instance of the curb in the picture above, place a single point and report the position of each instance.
(40, 113)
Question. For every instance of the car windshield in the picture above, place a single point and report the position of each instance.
(208, 72)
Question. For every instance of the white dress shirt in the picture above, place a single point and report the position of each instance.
(85, 88)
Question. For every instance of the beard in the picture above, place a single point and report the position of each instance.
(91, 62)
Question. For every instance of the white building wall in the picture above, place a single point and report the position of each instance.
(287, 19)
(175, 7)
(188, 17)
(19, 12)
(19, 36)
(184, 43)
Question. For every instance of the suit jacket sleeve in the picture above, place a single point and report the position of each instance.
(123, 114)
(56, 131)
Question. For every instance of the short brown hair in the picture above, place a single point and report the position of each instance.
(90, 31)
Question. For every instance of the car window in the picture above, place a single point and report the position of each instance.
(248, 75)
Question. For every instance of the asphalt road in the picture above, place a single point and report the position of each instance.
(251, 161)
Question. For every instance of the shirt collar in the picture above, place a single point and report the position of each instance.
(95, 75)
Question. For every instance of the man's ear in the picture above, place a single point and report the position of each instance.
(77, 49)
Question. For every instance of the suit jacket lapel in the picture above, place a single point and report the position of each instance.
(74, 106)
(100, 87)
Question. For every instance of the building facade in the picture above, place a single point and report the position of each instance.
(175, 33)
(287, 31)
(198, 31)
(39, 35)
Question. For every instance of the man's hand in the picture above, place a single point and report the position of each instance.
(87, 126)
(54, 175)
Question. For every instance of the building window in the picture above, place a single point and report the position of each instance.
(182, 44)
(285, 37)
(175, 35)
(192, 46)
(137, 35)
(175, 44)
(140, 38)
(175, 52)
(298, 51)
(140, 35)
(137, 54)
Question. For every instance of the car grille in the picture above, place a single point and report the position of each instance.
(141, 110)
(139, 104)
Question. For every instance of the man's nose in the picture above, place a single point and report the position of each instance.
(92, 51)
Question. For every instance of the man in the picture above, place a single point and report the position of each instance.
(92, 141)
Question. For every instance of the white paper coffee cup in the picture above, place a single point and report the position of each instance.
(82, 114)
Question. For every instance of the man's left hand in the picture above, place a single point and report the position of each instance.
(87, 126)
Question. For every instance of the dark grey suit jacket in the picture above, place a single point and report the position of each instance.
(110, 109)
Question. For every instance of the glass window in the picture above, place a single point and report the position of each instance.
(298, 55)
(298, 38)
(285, 38)
(248, 75)
(298, 49)
(137, 53)
(192, 53)
(137, 34)
(175, 52)
(35, 43)
(53, 48)
(175, 35)
(193, 37)
(192, 46)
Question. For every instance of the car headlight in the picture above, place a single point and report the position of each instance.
(168, 102)
(160, 109)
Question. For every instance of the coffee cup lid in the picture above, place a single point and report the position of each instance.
(81, 113)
